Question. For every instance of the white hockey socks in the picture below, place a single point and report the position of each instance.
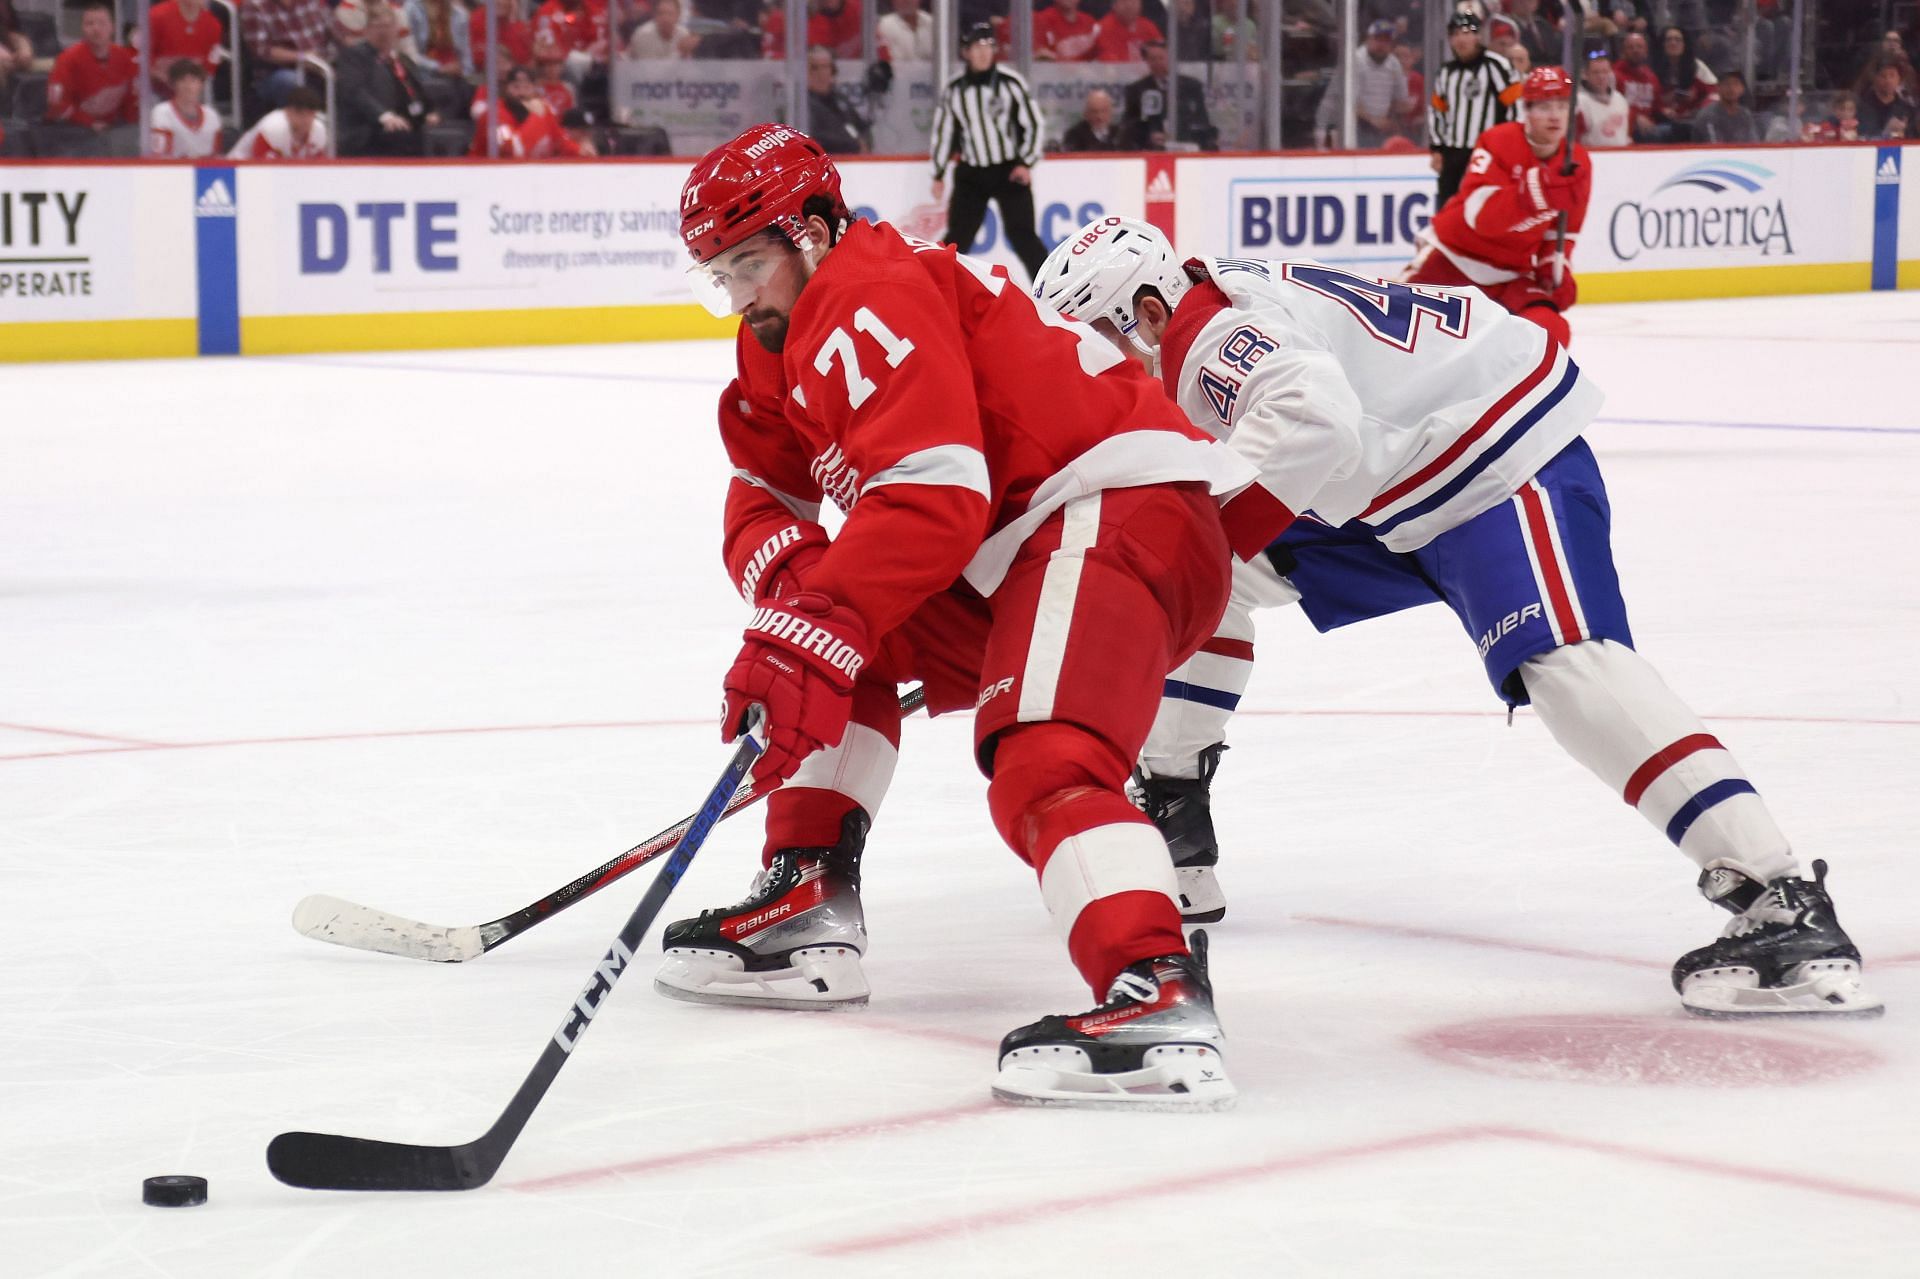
(1611, 711)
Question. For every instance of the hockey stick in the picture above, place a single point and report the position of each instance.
(327, 1161)
(345, 923)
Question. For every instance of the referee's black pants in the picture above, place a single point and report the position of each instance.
(973, 186)
(1453, 168)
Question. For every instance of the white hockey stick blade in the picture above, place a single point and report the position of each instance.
(345, 923)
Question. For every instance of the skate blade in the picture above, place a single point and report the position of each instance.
(822, 979)
(1183, 1077)
(1201, 901)
(1819, 988)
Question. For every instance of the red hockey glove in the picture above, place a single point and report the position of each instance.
(1553, 275)
(780, 562)
(800, 659)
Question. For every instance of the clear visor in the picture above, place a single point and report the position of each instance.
(727, 284)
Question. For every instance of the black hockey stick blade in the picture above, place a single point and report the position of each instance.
(324, 1161)
(327, 1161)
(343, 923)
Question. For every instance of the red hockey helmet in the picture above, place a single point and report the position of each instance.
(1544, 84)
(758, 180)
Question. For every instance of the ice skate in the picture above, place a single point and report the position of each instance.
(1180, 809)
(1155, 1044)
(795, 942)
(1783, 955)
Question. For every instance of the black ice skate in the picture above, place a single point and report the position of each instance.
(1784, 954)
(1180, 809)
(795, 942)
(1155, 1044)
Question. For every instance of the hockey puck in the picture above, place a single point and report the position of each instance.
(173, 1192)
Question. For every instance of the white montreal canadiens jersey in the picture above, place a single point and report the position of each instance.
(1412, 409)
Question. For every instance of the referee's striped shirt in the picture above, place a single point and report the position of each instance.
(988, 119)
(1469, 98)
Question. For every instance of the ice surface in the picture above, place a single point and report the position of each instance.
(438, 632)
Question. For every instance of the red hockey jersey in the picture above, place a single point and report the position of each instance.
(1494, 230)
(947, 414)
(83, 89)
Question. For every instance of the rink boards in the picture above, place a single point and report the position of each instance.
(106, 261)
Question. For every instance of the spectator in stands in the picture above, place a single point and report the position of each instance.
(549, 75)
(832, 119)
(278, 33)
(442, 35)
(1122, 36)
(183, 126)
(1535, 33)
(1728, 119)
(579, 28)
(1602, 116)
(662, 37)
(516, 35)
(1064, 32)
(296, 131)
(1233, 31)
(841, 18)
(1637, 82)
(383, 109)
(183, 29)
(1521, 61)
(907, 33)
(1885, 109)
(1380, 96)
(1095, 129)
(1415, 115)
(528, 128)
(1145, 122)
(1192, 32)
(92, 83)
(16, 50)
(1841, 125)
(1685, 83)
(349, 27)
(1503, 35)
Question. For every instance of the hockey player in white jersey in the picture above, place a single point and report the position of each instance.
(1419, 444)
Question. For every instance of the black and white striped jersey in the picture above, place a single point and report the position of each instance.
(986, 119)
(1469, 98)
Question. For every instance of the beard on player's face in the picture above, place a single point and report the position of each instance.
(769, 328)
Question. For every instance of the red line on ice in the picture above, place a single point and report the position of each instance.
(1473, 939)
(1200, 1180)
(594, 725)
(761, 1145)
(134, 742)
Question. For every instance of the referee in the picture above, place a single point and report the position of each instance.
(1473, 91)
(988, 128)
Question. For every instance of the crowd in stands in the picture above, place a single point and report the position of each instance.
(409, 76)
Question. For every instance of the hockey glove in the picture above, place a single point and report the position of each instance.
(780, 562)
(800, 659)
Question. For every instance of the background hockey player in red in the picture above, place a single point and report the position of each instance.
(1524, 182)
(1030, 527)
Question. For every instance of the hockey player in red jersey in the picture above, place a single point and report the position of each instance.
(1030, 526)
(1431, 445)
(1503, 232)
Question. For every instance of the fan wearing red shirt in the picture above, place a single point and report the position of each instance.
(516, 34)
(550, 62)
(92, 83)
(578, 27)
(184, 29)
(528, 129)
(1123, 35)
(1010, 482)
(1063, 33)
(1503, 231)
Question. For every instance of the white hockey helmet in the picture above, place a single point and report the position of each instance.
(1096, 272)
